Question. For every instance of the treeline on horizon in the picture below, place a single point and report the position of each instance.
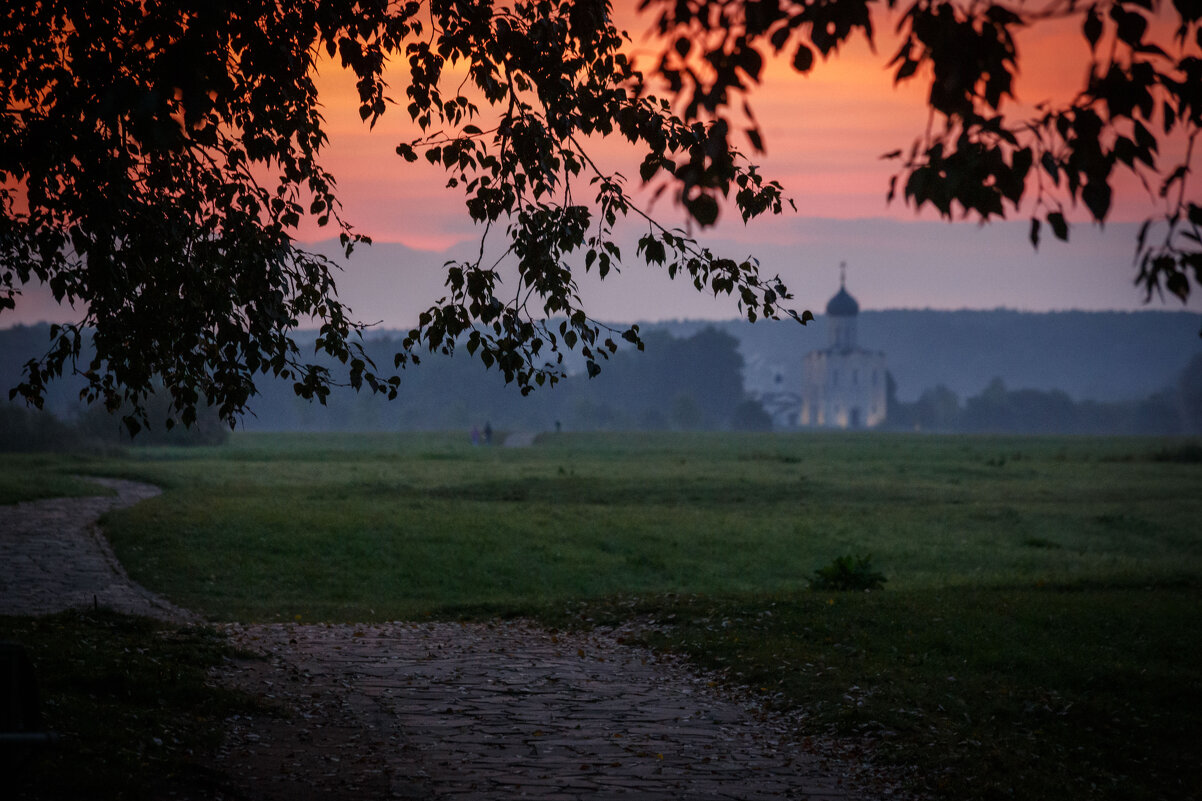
(691, 382)
(1174, 410)
(682, 383)
(1089, 355)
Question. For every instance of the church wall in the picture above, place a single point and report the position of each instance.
(843, 389)
(813, 389)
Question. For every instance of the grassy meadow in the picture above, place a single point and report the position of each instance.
(376, 527)
(31, 477)
(1037, 636)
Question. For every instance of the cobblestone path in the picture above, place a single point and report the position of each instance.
(53, 557)
(509, 710)
(444, 711)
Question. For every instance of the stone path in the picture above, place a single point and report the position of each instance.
(503, 710)
(53, 557)
(508, 710)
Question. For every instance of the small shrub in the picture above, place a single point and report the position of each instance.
(848, 573)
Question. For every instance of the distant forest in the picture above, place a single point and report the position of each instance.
(1099, 356)
(692, 383)
(997, 371)
(1176, 409)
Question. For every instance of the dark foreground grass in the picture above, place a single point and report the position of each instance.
(130, 699)
(1081, 693)
(1037, 636)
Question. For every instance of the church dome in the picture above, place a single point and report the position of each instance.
(842, 305)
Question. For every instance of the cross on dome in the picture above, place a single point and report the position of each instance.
(843, 304)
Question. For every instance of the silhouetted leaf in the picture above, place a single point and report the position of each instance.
(655, 253)
(131, 425)
(704, 209)
(1048, 162)
(1096, 196)
(1093, 27)
(1178, 284)
(1131, 25)
(803, 59)
(907, 68)
(1059, 226)
(1001, 15)
(752, 62)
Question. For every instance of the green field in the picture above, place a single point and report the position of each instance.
(33, 477)
(1037, 636)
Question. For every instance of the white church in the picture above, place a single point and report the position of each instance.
(843, 385)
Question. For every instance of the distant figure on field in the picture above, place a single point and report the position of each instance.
(487, 433)
(475, 435)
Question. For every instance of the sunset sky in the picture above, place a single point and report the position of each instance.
(825, 133)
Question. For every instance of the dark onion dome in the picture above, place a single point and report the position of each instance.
(842, 305)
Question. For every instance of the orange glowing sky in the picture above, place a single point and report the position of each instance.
(825, 133)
